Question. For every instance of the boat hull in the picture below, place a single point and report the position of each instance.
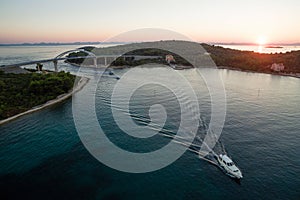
(228, 171)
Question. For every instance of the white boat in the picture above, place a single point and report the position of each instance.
(228, 165)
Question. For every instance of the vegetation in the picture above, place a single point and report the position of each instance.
(81, 54)
(249, 60)
(130, 61)
(77, 60)
(150, 52)
(223, 57)
(21, 92)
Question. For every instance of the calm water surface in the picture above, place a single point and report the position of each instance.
(42, 156)
(264, 49)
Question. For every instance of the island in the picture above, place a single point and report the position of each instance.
(131, 58)
(25, 90)
(274, 63)
(273, 47)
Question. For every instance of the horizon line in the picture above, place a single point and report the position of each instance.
(123, 42)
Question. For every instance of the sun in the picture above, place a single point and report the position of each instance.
(261, 40)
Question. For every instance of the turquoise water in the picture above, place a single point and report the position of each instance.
(41, 154)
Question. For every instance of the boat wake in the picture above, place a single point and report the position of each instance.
(194, 147)
(197, 146)
(197, 143)
(211, 156)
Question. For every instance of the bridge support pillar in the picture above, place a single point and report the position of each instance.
(55, 65)
(95, 62)
(105, 61)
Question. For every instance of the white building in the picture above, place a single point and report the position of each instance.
(170, 58)
(277, 67)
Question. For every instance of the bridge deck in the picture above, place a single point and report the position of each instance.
(137, 57)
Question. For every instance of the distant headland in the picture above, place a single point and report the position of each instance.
(274, 63)
(118, 42)
(59, 43)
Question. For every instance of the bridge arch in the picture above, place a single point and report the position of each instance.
(71, 51)
(75, 50)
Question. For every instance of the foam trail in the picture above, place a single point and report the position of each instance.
(192, 147)
(197, 152)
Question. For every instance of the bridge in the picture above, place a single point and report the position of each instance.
(107, 59)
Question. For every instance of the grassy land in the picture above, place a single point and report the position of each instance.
(21, 92)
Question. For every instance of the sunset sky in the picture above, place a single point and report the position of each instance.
(267, 21)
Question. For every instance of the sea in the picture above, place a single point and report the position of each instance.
(42, 155)
(264, 48)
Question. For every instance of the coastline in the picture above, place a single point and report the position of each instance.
(294, 75)
(182, 67)
(80, 84)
